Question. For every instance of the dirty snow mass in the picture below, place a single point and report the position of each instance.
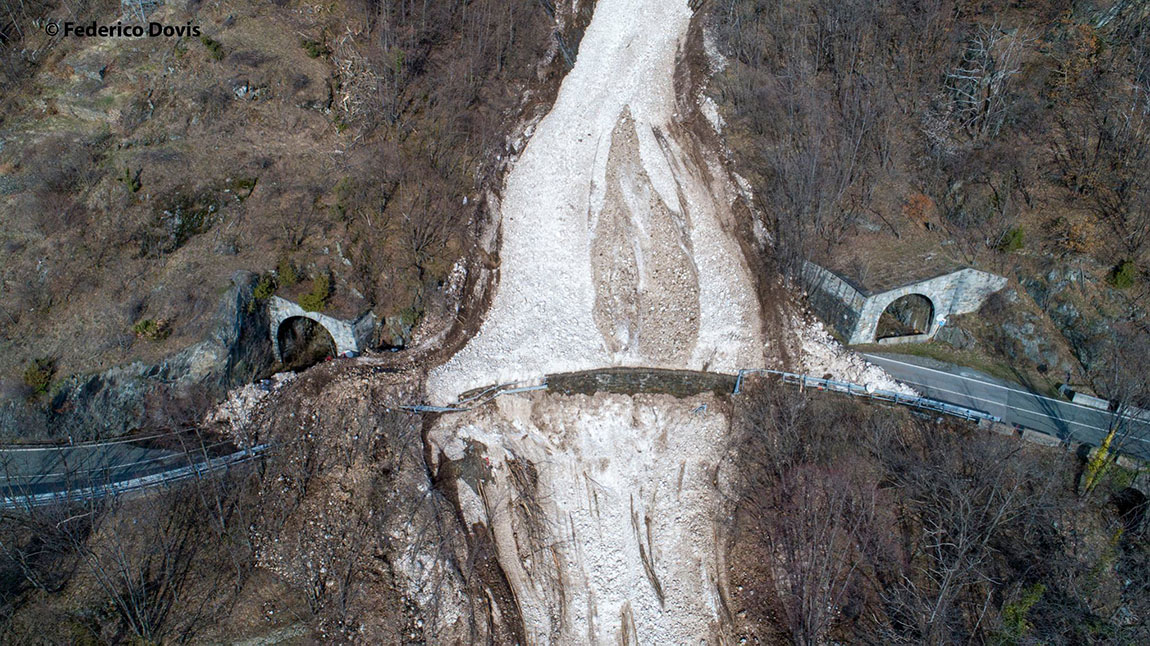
(616, 250)
(612, 249)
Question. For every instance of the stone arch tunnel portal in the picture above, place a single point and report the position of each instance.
(304, 342)
(909, 315)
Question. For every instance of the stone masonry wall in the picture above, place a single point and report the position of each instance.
(855, 314)
(958, 292)
(349, 336)
(835, 300)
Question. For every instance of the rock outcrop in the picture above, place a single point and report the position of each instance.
(234, 351)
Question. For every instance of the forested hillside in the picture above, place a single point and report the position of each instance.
(898, 136)
(564, 461)
(341, 154)
(864, 525)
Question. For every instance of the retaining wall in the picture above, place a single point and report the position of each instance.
(855, 313)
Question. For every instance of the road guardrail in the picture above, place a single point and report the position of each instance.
(131, 485)
(483, 395)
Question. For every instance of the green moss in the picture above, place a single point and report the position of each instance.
(38, 375)
(215, 48)
(1120, 477)
(316, 299)
(1015, 625)
(1012, 240)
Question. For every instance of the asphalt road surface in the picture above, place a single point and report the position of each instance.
(972, 389)
(26, 471)
(34, 470)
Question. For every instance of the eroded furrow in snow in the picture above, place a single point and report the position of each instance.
(614, 541)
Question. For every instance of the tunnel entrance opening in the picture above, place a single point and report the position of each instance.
(304, 343)
(1132, 507)
(910, 315)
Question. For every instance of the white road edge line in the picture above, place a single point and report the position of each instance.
(874, 357)
(1024, 410)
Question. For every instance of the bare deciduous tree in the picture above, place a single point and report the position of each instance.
(813, 515)
(1103, 154)
(1122, 376)
(980, 84)
(814, 520)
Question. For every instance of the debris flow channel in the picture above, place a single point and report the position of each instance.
(613, 250)
(604, 508)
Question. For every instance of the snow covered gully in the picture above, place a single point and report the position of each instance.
(604, 509)
(613, 250)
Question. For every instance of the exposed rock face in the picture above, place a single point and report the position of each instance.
(956, 337)
(1081, 312)
(139, 395)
